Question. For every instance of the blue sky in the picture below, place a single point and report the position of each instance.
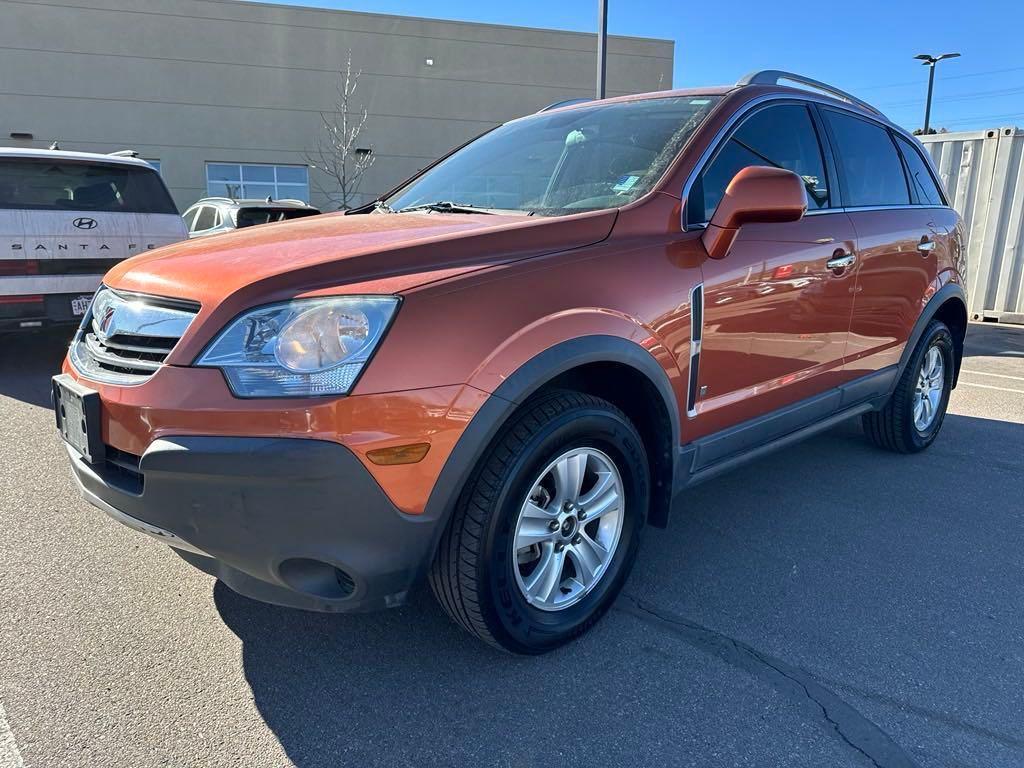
(864, 46)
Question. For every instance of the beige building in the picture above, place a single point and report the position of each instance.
(226, 96)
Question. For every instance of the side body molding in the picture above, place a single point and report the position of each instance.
(722, 451)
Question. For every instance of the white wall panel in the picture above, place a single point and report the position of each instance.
(983, 172)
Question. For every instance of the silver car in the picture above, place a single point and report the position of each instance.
(213, 215)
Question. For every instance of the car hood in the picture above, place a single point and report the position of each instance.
(373, 253)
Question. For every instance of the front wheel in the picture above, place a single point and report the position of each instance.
(547, 528)
(912, 418)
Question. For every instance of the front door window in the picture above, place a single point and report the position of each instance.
(782, 136)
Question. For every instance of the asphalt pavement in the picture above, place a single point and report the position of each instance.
(829, 605)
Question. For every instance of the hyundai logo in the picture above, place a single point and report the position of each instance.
(84, 222)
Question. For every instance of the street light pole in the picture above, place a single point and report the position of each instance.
(602, 46)
(931, 61)
(928, 101)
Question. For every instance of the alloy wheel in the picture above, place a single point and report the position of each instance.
(931, 382)
(568, 529)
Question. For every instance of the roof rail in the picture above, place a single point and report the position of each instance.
(773, 76)
(124, 153)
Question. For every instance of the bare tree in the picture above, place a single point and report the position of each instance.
(337, 155)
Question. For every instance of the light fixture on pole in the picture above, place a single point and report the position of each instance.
(931, 61)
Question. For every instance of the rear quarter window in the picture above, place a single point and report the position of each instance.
(59, 185)
(207, 218)
(922, 183)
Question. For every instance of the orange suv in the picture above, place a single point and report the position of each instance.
(497, 374)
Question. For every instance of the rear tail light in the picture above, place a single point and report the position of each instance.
(21, 299)
(18, 267)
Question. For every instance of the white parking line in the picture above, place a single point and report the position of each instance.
(996, 375)
(10, 757)
(989, 386)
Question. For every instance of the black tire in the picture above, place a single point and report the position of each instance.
(893, 428)
(472, 574)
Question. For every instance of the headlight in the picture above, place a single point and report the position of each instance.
(300, 348)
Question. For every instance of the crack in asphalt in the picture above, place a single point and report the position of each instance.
(943, 718)
(837, 716)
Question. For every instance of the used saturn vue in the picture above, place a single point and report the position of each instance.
(497, 375)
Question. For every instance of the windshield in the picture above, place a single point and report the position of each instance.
(582, 159)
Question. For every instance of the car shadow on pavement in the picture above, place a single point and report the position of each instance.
(807, 587)
(28, 360)
(994, 340)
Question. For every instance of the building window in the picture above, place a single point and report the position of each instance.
(257, 181)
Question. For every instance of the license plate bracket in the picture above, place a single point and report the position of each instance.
(80, 304)
(77, 409)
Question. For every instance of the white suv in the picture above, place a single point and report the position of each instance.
(65, 219)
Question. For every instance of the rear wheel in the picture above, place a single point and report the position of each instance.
(912, 418)
(547, 527)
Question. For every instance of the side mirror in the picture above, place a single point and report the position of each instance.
(757, 194)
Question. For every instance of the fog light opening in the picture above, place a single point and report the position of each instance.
(314, 577)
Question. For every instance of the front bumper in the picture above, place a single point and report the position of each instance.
(292, 521)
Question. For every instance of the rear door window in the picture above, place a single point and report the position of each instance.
(870, 166)
(781, 136)
(922, 183)
(60, 185)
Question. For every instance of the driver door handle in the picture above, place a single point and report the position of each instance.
(841, 260)
(926, 245)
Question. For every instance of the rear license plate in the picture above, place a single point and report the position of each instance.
(80, 305)
(78, 417)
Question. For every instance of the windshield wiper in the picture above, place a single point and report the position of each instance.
(446, 206)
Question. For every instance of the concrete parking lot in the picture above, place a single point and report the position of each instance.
(830, 605)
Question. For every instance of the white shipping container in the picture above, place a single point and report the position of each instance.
(983, 172)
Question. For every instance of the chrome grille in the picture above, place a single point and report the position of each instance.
(125, 338)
